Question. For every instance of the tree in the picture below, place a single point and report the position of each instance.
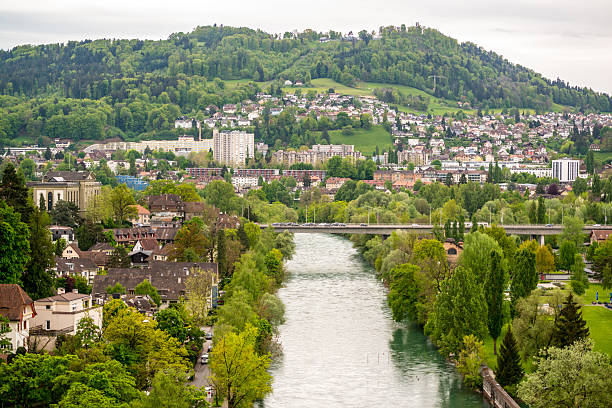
(135, 341)
(88, 333)
(117, 288)
(119, 258)
(505, 242)
(221, 253)
(570, 326)
(100, 385)
(65, 213)
(470, 359)
(606, 277)
(238, 373)
(122, 204)
(169, 389)
(545, 261)
(572, 231)
(575, 376)
(220, 194)
(59, 246)
(14, 245)
(171, 321)
(533, 325)
(509, 369)
(197, 287)
(476, 254)
(14, 192)
(404, 292)
(567, 255)
(89, 234)
(37, 279)
(274, 265)
(579, 280)
(5, 342)
(459, 310)
(525, 278)
(541, 214)
(580, 186)
(494, 294)
(30, 379)
(191, 243)
(146, 288)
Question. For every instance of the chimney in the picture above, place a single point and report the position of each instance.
(61, 291)
(75, 291)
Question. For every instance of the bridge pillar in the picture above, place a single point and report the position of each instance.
(541, 240)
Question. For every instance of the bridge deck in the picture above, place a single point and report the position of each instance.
(387, 229)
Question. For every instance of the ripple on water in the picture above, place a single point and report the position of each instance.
(340, 346)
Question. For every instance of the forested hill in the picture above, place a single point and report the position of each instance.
(179, 72)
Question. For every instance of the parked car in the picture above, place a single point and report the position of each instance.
(548, 225)
(208, 336)
(204, 359)
(210, 348)
(363, 224)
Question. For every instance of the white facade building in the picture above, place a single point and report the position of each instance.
(61, 314)
(181, 147)
(565, 170)
(233, 148)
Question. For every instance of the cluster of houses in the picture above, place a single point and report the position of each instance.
(149, 243)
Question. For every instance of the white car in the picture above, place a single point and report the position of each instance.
(204, 359)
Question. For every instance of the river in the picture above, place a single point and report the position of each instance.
(340, 346)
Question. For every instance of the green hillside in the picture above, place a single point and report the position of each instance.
(136, 88)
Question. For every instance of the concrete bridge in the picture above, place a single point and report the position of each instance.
(386, 229)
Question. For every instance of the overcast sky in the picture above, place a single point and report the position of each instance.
(568, 39)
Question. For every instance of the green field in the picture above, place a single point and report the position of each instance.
(599, 321)
(364, 140)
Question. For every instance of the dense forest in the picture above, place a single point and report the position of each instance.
(108, 88)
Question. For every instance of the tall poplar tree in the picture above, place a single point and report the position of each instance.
(37, 280)
(14, 192)
(525, 277)
(494, 293)
(541, 210)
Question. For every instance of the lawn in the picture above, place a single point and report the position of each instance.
(364, 140)
(599, 321)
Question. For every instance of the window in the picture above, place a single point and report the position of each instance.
(74, 307)
(47, 307)
(85, 304)
(48, 325)
(451, 251)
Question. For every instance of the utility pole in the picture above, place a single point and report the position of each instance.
(434, 78)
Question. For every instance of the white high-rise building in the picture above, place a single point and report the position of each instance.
(565, 170)
(233, 148)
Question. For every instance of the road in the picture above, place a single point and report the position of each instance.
(202, 371)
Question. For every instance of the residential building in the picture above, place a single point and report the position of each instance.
(599, 236)
(78, 187)
(61, 232)
(143, 216)
(19, 309)
(168, 278)
(334, 183)
(565, 170)
(61, 314)
(84, 267)
(233, 148)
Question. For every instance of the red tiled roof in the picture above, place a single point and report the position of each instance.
(13, 300)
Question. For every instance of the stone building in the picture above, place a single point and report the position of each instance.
(78, 187)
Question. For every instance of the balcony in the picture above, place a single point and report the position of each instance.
(40, 331)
